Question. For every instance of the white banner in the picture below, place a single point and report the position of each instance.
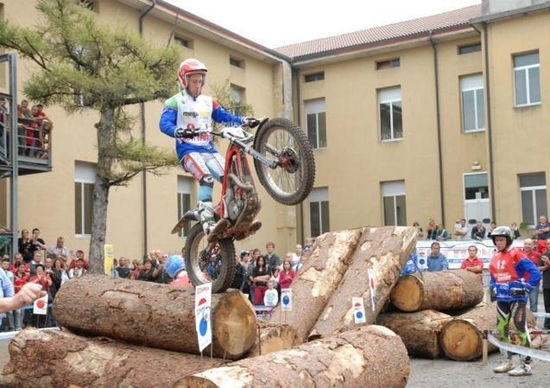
(358, 310)
(286, 299)
(203, 301)
(41, 306)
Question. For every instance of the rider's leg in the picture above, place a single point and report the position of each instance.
(503, 322)
(195, 163)
(520, 321)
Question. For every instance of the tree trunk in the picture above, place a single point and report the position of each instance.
(106, 137)
(380, 250)
(273, 337)
(445, 290)
(462, 337)
(52, 358)
(320, 275)
(152, 314)
(371, 356)
(419, 331)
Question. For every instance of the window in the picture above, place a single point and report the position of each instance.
(527, 79)
(393, 198)
(388, 64)
(237, 98)
(533, 197)
(316, 123)
(236, 62)
(389, 103)
(473, 115)
(183, 41)
(315, 77)
(90, 4)
(475, 186)
(469, 48)
(319, 211)
(185, 186)
(84, 179)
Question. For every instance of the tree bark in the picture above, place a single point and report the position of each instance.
(320, 275)
(152, 314)
(53, 358)
(419, 331)
(462, 337)
(441, 291)
(106, 137)
(371, 356)
(383, 251)
(273, 337)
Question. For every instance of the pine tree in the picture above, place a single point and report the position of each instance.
(84, 65)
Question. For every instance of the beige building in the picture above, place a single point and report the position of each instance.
(439, 117)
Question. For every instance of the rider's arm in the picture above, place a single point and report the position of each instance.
(525, 265)
(220, 115)
(169, 117)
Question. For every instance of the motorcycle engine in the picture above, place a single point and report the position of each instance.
(234, 206)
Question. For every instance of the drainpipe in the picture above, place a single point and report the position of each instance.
(143, 128)
(438, 116)
(489, 121)
(296, 76)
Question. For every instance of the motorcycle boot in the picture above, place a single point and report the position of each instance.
(505, 366)
(523, 369)
(206, 215)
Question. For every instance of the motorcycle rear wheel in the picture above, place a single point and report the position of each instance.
(209, 264)
(292, 180)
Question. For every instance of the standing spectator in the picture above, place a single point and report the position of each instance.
(492, 227)
(436, 260)
(461, 230)
(36, 260)
(542, 231)
(20, 278)
(478, 231)
(59, 250)
(515, 230)
(255, 255)
(287, 275)
(260, 277)
(136, 269)
(472, 263)
(247, 272)
(271, 297)
(79, 255)
(419, 231)
(23, 110)
(45, 281)
(6, 287)
(59, 276)
(175, 268)
(545, 269)
(431, 229)
(123, 269)
(36, 241)
(160, 275)
(308, 246)
(25, 245)
(441, 233)
(272, 260)
(533, 255)
(11, 278)
(77, 271)
(296, 257)
(147, 272)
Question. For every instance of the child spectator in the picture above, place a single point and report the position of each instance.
(287, 275)
(77, 271)
(296, 257)
(45, 281)
(260, 277)
(20, 278)
(271, 298)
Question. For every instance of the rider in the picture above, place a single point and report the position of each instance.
(187, 111)
(508, 268)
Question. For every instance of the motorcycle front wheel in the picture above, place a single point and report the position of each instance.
(283, 141)
(206, 262)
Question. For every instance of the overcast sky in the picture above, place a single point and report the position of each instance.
(277, 23)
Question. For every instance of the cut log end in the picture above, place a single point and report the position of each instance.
(235, 324)
(461, 340)
(407, 295)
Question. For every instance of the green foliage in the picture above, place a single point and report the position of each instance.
(225, 96)
(80, 59)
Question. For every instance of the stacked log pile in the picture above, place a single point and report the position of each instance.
(316, 344)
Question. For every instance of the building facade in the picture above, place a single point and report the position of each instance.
(441, 117)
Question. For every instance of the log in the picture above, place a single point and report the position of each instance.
(155, 315)
(383, 251)
(419, 330)
(371, 356)
(318, 278)
(53, 358)
(445, 290)
(274, 337)
(462, 337)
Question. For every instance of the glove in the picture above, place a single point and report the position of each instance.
(250, 122)
(185, 133)
(493, 294)
(519, 288)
